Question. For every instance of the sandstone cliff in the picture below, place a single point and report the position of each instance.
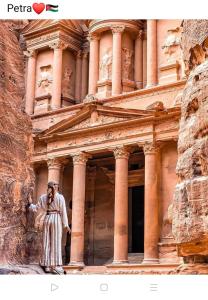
(190, 206)
(16, 175)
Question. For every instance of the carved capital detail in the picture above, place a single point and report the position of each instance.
(93, 37)
(117, 29)
(140, 35)
(151, 148)
(56, 163)
(121, 152)
(85, 54)
(30, 53)
(79, 54)
(56, 45)
(80, 158)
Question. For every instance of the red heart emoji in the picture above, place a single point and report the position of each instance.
(38, 7)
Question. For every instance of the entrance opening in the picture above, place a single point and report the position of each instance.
(136, 219)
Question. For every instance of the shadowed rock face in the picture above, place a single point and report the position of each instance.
(190, 206)
(16, 175)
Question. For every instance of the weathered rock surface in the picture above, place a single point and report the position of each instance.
(190, 207)
(16, 175)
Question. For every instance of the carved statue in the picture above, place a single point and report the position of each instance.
(171, 46)
(45, 78)
(67, 81)
(106, 66)
(127, 63)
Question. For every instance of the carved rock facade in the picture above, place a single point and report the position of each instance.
(190, 207)
(16, 176)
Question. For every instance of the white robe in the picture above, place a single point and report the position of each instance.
(52, 229)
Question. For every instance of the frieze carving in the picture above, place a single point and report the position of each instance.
(56, 163)
(42, 38)
(56, 45)
(121, 152)
(151, 148)
(30, 53)
(127, 63)
(46, 78)
(97, 120)
(117, 29)
(80, 158)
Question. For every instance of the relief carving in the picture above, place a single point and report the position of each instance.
(67, 81)
(171, 47)
(46, 79)
(127, 66)
(106, 66)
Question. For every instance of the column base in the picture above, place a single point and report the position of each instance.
(150, 85)
(120, 262)
(76, 265)
(149, 261)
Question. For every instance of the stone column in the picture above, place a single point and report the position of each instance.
(57, 73)
(91, 177)
(31, 78)
(93, 63)
(117, 59)
(151, 218)
(138, 60)
(84, 75)
(144, 59)
(78, 78)
(55, 168)
(151, 53)
(78, 203)
(121, 206)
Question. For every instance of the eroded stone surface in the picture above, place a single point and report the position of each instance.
(16, 176)
(190, 207)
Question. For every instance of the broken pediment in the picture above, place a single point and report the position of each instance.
(42, 25)
(93, 116)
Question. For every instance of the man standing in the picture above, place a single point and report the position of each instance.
(55, 218)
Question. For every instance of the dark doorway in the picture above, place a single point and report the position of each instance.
(136, 219)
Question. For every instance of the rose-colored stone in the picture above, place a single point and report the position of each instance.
(16, 174)
(76, 136)
(190, 209)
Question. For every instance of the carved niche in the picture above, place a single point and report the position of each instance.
(67, 82)
(45, 80)
(106, 66)
(171, 47)
(127, 63)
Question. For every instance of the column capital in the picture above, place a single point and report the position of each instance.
(80, 158)
(56, 45)
(57, 162)
(79, 54)
(121, 152)
(151, 148)
(93, 37)
(85, 54)
(140, 35)
(30, 53)
(117, 29)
